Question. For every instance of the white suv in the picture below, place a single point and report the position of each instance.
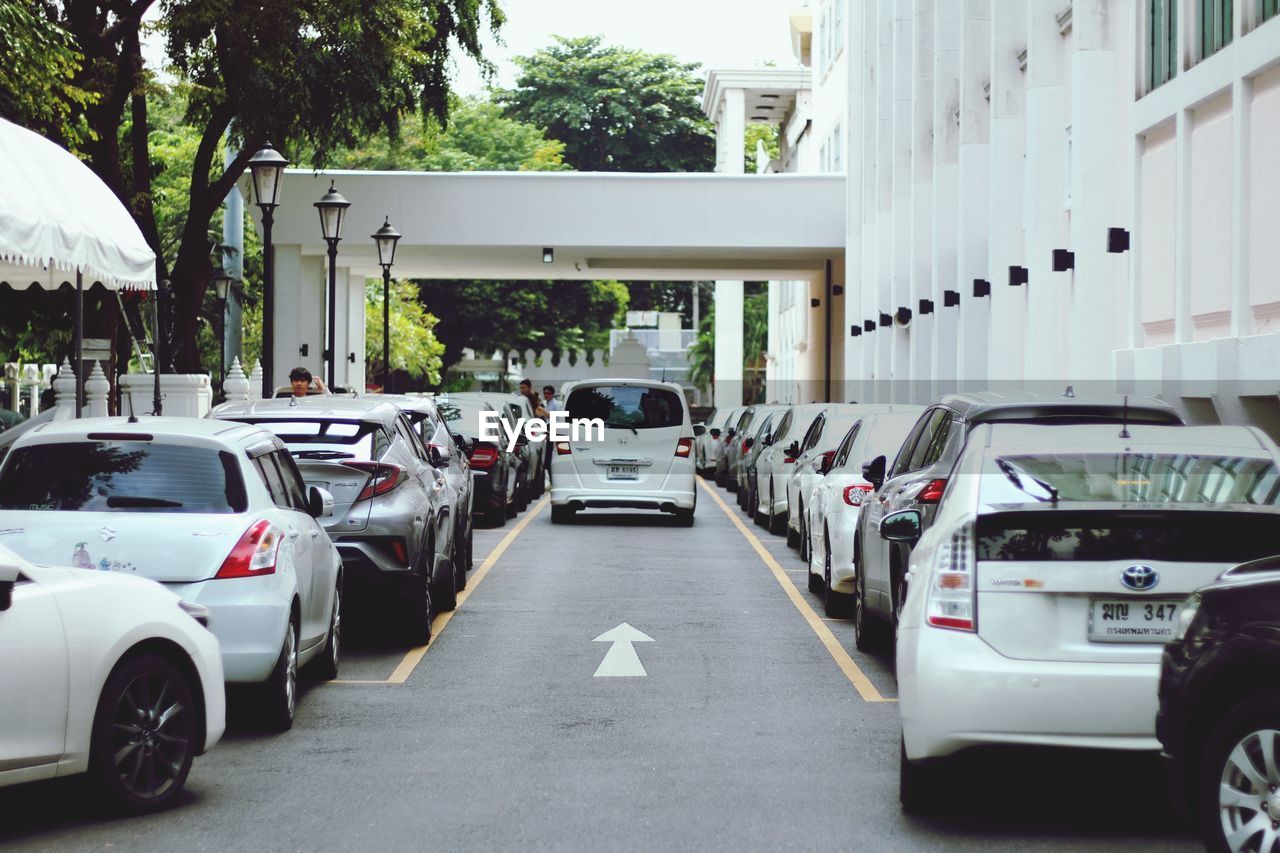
(1041, 596)
(645, 459)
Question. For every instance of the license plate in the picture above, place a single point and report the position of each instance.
(1132, 620)
(624, 472)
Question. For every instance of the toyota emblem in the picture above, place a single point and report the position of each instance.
(1140, 577)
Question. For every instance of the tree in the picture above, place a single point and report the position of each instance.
(308, 76)
(755, 337)
(614, 108)
(478, 138)
(415, 349)
(39, 56)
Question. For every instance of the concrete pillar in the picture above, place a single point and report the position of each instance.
(301, 291)
(352, 331)
(949, 209)
(728, 328)
(236, 387)
(856, 154)
(903, 52)
(920, 330)
(974, 188)
(96, 391)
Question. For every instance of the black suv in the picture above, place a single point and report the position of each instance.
(1219, 717)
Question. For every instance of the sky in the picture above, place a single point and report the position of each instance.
(712, 33)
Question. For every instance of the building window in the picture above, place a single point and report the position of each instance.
(1267, 9)
(1162, 51)
(1215, 26)
(837, 28)
(837, 150)
(819, 44)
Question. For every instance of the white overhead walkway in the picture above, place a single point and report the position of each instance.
(477, 225)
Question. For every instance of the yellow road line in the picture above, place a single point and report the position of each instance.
(856, 676)
(414, 656)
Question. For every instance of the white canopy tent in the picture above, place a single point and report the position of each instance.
(60, 224)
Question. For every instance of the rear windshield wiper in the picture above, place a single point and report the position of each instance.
(1011, 472)
(132, 501)
(321, 454)
(619, 424)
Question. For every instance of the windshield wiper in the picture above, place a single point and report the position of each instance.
(619, 424)
(132, 501)
(1011, 472)
(321, 454)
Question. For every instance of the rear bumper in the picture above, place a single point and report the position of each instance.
(249, 617)
(957, 692)
(584, 498)
(484, 497)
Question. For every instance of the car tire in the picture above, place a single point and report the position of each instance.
(325, 665)
(802, 539)
(720, 477)
(684, 517)
(417, 624)
(459, 564)
(278, 695)
(777, 522)
(168, 746)
(444, 590)
(868, 632)
(562, 514)
(836, 605)
(1238, 727)
(918, 784)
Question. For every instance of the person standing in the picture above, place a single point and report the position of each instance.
(549, 401)
(535, 404)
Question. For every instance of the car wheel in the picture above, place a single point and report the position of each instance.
(835, 604)
(144, 734)
(444, 590)
(918, 785)
(684, 517)
(279, 697)
(562, 514)
(459, 564)
(777, 521)
(802, 539)
(720, 477)
(1238, 789)
(325, 666)
(417, 626)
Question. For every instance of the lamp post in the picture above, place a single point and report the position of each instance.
(267, 167)
(222, 287)
(333, 212)
(386, 238)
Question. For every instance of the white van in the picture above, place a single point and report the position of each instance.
(644, 459)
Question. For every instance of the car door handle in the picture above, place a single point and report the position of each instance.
(293, 534)
(315, 533)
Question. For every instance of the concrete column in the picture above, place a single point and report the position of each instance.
(728, 325)
(1182, 329)
(1007, 144)
(300, 303)
(974, 193)
(886, 71)
(1242, 133)
(920, 331)
(947, 205)
(350, 331)
(856, 280)
(903, 47)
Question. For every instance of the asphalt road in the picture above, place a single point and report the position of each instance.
(752, 728)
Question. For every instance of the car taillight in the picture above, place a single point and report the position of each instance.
(932, 492)
(484, 456)
(255, 553)
(855, 494)
(383, 477)
(953, 600)
(827, 458)
(744, 445)
(683, 447)
(562, 448)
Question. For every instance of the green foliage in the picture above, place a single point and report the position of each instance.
(755, 134)
(415, 349)
(479, 138)
(614, 108)
(38, 73)
(702, 355)
(755, 336)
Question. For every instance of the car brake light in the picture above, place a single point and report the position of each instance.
(562, 448)
(855, 494)
(932, 492)
(255, 553)
(484, 456)
(952, 600)
(397, 546)
(383, 477)
(744, 445)
(683, 447)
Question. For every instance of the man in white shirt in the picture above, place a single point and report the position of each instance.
(550, 403)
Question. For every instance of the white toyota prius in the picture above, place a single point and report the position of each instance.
(1058, 566)
(641, 459)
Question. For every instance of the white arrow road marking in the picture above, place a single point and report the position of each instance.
(621, 659)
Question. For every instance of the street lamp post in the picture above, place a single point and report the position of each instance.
(222, 287)
(386, 238)
(333, 212)
(267, 167)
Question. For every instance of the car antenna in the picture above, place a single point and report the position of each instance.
(1124, 419)
(1070, 392)
(133, 419)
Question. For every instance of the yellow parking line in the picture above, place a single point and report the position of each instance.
(856, 676)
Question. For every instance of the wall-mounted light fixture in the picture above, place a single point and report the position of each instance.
(902, 317)
(869, 326)
(885, 319)
(837, 289)
(814, 303)
(950, 298)
(1063, 260)
(1117, 241)
(855, 331)
(548, 256)
(926, 306)
(1017, 276)
(981, 288)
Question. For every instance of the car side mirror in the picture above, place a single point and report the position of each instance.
(699, 430)
(793, 450)
(873, 471)
(319, 503)
(715, 432)
(438, 455)
(824, 467)
(462, 442)
(8, 577)
(750, 442)
(901, 526)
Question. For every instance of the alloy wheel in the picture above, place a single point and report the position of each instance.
(291, 669)
(335, 628)
(150, 735)
(1249, 796)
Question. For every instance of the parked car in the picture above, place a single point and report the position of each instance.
(743, 444)
(494, 470)
(733, 449)
(445, 453)
(920, 469)
(774, 465)
(727, 434)
(817, 450)
(1220, 708)
(525, 456)
(392, 522)
(535, 449)
(1059, 563)
(707, 447)
(77, 649)
(645, 460)
(216, 512)
(753, 444)
(837, 498)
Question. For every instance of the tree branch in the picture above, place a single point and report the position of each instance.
(129, 20)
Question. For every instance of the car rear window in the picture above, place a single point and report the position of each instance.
(314, 438)
(463, 417)
(627, 406)
(122, 476)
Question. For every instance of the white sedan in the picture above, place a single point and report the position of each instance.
(1040, 598)
(105, 674)
(215, 511)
